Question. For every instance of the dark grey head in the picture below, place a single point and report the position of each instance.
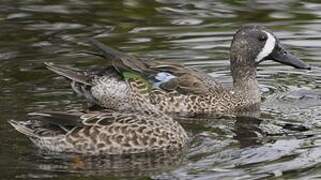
(253, 44)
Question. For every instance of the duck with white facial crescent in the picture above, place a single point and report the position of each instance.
(130, 83)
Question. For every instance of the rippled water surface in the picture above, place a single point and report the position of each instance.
(285, 142)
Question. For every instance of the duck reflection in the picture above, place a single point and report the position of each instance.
(247, 131)
(144, 164)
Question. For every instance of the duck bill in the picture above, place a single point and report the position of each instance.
(282, 55)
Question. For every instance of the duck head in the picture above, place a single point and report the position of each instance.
(253, 44)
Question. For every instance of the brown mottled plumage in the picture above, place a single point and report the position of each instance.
(102, 132)
(130, 84)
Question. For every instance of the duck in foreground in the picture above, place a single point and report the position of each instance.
(97, 133)
(131, 84)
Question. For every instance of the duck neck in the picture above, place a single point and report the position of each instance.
(245, 83)
(248, 88)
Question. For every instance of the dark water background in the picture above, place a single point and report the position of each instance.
(284, 143)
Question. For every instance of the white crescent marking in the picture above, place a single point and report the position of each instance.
(268, 47)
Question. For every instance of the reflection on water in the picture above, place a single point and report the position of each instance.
(53, 164)
(283, 142)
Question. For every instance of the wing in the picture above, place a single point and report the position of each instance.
(47, 124)
(81, 81)
(74, 119)
(167, 76)
(54, 123)
(142, 75)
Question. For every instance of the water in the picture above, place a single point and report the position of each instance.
(285, 142)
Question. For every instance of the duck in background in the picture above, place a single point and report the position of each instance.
(131, 84)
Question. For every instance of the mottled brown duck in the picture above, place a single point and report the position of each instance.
(103, 133)
(130, 84)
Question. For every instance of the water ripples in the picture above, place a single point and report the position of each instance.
(283, 142)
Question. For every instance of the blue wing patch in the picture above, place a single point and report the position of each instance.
(162, 77)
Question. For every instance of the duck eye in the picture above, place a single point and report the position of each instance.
(262, 37)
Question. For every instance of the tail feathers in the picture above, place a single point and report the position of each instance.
(69, 73)
(107, 51)
(120, 61)
(58, 118)
(22, 128)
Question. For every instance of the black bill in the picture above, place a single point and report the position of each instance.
(281, 55)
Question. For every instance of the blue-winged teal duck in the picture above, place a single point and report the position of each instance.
(127, 82)
(106, 132)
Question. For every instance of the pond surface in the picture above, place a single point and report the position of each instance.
(285, 142)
